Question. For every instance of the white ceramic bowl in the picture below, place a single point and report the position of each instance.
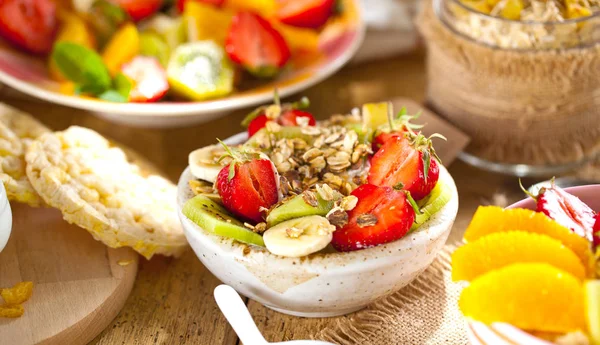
(5, 218)
(339, 42)
(320, 285)
(505, 334)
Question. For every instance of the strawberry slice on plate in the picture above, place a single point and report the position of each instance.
(256, 45)
(149, 79)
(406, 162)
(310, 14)
(29, 24)
(568, 210)
(381, 215)
(288, 114)
(140, 9)
(247, 184)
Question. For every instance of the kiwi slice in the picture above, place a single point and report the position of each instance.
(214, 218)
(283, 133)
(365, 134)
(200, 70)
(438, 198)
(296, 207)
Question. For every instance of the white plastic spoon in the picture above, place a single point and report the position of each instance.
(239, 318)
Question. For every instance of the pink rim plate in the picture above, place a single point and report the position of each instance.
(339, 43)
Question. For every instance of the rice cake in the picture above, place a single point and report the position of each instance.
(96, 187)
(17, 131)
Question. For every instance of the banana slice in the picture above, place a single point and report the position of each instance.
(299, 237)
(203, 163)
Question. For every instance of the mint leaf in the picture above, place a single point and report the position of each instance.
(122, 85)
(82, 66)
(112, 96)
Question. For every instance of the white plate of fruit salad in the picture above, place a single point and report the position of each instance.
(170, 63)
(533, 270)
(318, 218)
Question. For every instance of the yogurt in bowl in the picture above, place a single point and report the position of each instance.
(322, 284)
(318, 219)
(5, 218)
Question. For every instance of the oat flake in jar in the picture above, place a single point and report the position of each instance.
(522, 79)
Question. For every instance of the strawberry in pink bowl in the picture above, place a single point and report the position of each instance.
(289, 217)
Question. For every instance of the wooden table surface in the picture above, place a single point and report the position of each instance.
(172, 301)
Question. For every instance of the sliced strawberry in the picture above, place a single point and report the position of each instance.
(568, 210)
(246, 185)
(597, 231)
(398, 126)
(305, 13)
(290, 118)
(140, 9)
(149, 79)
(29, 24)
(383, 138)
(181, 3)
(284, 114)
(381, 215)
(255, 44)
(257, 124)
(409, 163)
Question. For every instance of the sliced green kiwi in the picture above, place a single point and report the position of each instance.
(200, 70)
(438, 198)
(283, 133)
(214, 218)
(365, 134)
(151, 44)
(297, 207)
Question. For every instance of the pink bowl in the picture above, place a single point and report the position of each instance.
(504, 334)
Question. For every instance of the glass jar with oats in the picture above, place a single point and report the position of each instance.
(521, 77)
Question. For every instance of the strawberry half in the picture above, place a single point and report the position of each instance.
(397, 126)
(406, 162)
(290, 118)
(284, 114)
(247, 184)
(256, 45)
(567, 210)
(310, 14)
(149, 79)
(29, 24)
(381, 215)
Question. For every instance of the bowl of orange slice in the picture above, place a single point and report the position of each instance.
(532, 270)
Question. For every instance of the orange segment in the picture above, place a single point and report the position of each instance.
(505, 248)
(531, 296)
(206, 22)
(491, 219)
(122, 47)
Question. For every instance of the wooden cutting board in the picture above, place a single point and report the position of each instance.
(79, 285)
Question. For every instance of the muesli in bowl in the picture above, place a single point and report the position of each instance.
(533, 270)
(303, 211)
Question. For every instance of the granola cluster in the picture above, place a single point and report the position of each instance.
(331, 155)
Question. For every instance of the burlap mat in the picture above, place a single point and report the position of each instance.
(423, 313)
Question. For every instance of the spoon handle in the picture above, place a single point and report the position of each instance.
(237, 314)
